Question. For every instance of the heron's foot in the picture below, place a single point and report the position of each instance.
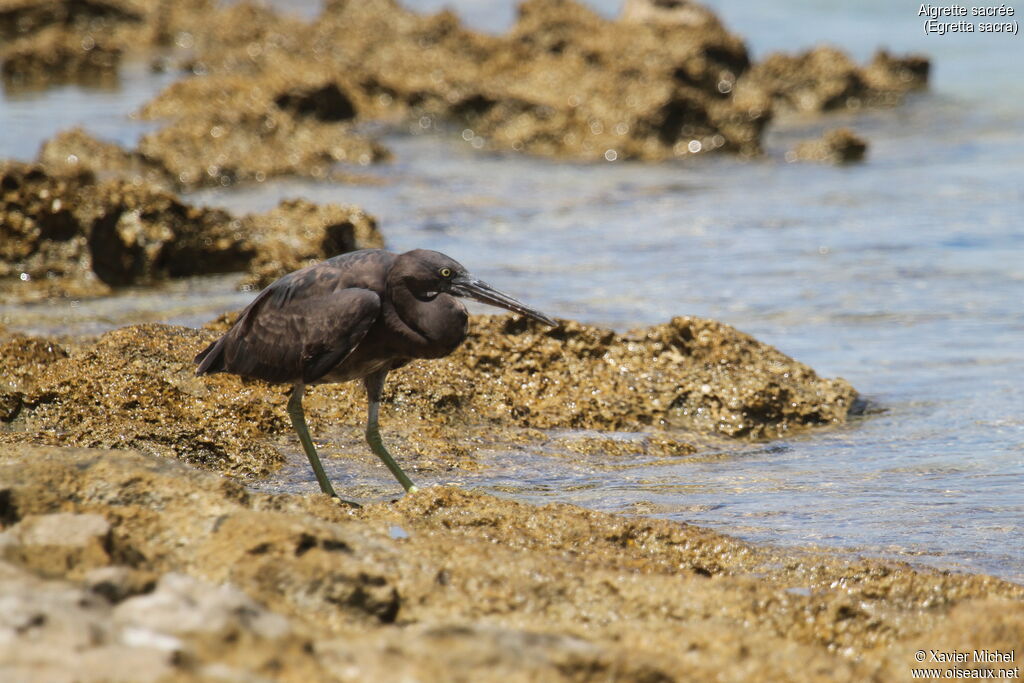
(349, 503)
(377, 446)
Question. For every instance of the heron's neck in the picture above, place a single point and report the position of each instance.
(437, 327)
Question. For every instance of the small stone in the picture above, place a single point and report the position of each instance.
(118, 583)
(59, 543)
(839, 146)
(183, 606)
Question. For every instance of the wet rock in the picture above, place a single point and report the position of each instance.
(56, 55)
(140, 235)
(489, 589)
(690, 373)
(826, 79)
(229, 146)
(75, 151)
(10, 404)
(135, 388)
(662, 82)
(26, 17)
(272, 95)
(63, 233)
(839, 146)
(298, 233)
(56, 41)
(886, 72)
(563, 82)
(68, 235)
(42, 244)
(23, 358)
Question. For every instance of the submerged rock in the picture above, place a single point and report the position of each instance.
(476, 588)
(839, 146)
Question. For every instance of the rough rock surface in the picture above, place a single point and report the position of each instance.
(72, 235)
(270, 95)
(299, 233)
(562, 82)
(659, 83)
(205, 580)
(838, 146)
(56, 55)
(24, 17)
(225, 146)
(67, 234)
(75, 151)
(135, 388)
(826, 79)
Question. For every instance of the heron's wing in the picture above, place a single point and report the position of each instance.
(290, 333)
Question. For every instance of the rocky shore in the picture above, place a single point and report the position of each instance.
(119, 561)
(120, 566)
(130, 546)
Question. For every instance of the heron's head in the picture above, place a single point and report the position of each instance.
(429, 273)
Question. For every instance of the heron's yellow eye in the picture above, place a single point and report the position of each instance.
(446, 272)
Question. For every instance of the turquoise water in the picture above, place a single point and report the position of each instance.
(904, 274)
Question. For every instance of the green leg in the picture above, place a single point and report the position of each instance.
(298, 417)
(374, 384)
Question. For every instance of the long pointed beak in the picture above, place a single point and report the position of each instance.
(484, 293)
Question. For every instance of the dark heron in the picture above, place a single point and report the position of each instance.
(355, 316)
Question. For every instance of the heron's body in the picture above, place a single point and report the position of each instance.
(337, 321)
(355, 316)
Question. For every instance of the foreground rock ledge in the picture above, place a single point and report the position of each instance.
(179, 574)
(135, 388)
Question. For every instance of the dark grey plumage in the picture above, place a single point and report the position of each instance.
(355, 316)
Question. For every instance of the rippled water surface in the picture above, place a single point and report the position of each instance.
(904, 274)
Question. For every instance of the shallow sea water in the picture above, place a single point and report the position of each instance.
(904, 274)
